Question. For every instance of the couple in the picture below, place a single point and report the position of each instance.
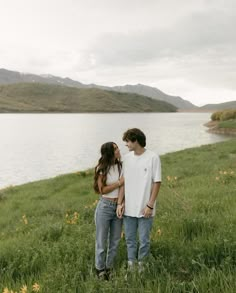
(128, 190)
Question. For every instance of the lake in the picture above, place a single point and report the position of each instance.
(38, 146)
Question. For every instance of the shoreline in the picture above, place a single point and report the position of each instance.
(89, 171)
(213, 128)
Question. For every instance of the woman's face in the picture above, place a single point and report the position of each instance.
(116, 151)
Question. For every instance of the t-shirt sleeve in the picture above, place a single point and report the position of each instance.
(156, 169)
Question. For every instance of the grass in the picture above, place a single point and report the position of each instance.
(231, 124)
(45, 98)
(47, 231)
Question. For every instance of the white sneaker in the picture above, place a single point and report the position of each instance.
(130, 269)
(141, 267)
(131, 265)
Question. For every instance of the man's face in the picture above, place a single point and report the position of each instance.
(131, 145)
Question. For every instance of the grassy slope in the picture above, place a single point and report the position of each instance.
(193, 238)
(231, 124)
(54, 98)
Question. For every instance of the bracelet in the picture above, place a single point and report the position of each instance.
(149, 207)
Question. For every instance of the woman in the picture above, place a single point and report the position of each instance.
(107, 180)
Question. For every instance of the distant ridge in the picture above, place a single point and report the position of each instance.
(47, 98)
(9, 77)
(222, 106)
(154, 93)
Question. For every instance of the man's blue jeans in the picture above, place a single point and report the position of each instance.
(108, 233)
(143, 226)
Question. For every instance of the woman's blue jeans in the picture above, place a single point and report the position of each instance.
(108, 233)
(143, 226)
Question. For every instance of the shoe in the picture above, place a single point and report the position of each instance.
(109, 272)
(130, 270)
(141, 267)
(131, 265)
(101, 274)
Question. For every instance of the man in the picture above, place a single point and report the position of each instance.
(137, 198)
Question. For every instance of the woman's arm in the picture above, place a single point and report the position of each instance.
(108, 188)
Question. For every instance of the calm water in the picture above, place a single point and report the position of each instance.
(37, 146)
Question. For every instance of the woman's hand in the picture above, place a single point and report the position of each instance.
(120, 210)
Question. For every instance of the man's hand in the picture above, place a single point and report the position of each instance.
(147, 212)
(120, 210)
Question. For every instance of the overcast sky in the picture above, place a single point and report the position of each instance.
(182, 47)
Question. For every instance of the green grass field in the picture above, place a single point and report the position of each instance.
(228, 124)
(47, 231)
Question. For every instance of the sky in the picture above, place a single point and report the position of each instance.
(184, 48)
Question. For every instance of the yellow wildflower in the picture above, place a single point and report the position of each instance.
(96, 201)
(168, 178)
(217, 178)
(36, 287)
(159, 232)
(5, 290)
(176, 178)
(24, 289)
(25, 219)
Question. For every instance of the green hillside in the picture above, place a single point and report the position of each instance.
(47, 231)
(43, 98)
(221, 106)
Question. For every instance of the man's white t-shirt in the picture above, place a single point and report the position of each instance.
(140, 172)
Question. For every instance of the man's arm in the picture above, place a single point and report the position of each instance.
(147, 212)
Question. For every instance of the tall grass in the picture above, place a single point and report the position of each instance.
(224, 115)
(47, 231)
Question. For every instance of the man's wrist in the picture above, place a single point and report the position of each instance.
(150, 207)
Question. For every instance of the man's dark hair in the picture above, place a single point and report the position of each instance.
(135, 134)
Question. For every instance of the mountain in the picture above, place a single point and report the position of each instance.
(222, 106)
(8, 77)
(154, 93)
(44, 98)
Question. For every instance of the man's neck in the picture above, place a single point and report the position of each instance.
(139, 151)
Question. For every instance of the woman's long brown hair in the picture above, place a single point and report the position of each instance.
(104, 164)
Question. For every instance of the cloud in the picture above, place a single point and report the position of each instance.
(198, 33)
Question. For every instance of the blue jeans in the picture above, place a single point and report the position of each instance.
(143, 227)
(108, 233)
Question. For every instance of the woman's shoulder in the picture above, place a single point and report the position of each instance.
(99, 170)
